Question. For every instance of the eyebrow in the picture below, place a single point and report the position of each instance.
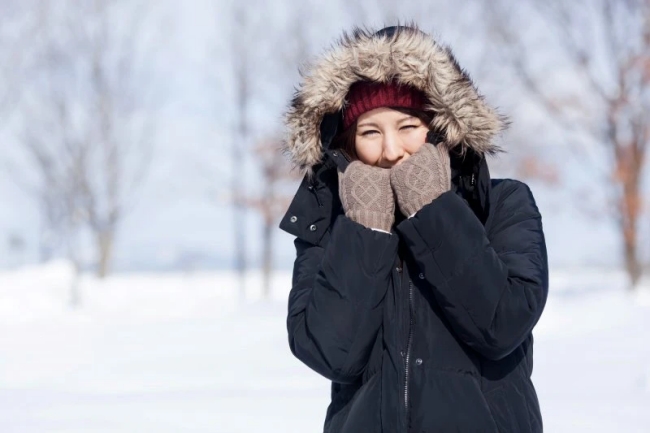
(377, 126)
(406, 118)
(368, 124)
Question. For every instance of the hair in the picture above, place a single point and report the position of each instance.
(346, 140)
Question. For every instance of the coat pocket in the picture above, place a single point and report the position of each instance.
(362, 413)
(509, 408)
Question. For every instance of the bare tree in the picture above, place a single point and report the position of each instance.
(278, 179)
(272, 201)
(253, 74)
(242, 59)
(604, 47)
(249, 62)
(86, 130)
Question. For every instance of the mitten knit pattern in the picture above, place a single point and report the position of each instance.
(367, 196)
(421, 178)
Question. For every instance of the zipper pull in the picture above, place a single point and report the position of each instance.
(473, 180)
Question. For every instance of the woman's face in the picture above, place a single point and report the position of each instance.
(386, 137)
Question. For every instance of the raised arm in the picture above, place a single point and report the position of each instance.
(335, 305)
(492, 286)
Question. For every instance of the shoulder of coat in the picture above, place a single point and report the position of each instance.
(512, 194)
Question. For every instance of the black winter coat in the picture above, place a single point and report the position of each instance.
(427, 329)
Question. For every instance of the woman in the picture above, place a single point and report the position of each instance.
(418, 279)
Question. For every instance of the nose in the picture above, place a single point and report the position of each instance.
(393, 149)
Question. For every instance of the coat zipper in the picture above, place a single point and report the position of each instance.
(407, 359)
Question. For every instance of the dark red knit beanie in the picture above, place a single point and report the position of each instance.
(365, 96)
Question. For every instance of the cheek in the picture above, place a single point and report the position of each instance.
(416, 140)
(368, 151)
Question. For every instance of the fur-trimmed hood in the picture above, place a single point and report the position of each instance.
(410, 57)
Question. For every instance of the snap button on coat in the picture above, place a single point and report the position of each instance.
(293, 219)
(312, 228)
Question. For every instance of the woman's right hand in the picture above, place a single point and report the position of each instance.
(367, 196)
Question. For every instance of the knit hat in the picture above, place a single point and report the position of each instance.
(365, 96)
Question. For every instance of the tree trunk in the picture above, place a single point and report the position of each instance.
(105, 251)
(630, 209)
(239, 145)
(240, 245)
(630, 223)
(73, 256)
(75, 292)
(45, 252)
(267, 257)
(632, 265)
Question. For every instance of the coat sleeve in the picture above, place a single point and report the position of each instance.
(336, 300)
(492, 287)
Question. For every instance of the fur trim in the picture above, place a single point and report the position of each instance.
(409, 56)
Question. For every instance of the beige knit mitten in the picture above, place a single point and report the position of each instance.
(421, 178)
(367, 196)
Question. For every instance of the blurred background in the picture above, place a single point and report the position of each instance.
(143, 279)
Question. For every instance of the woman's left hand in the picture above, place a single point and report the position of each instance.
(421, 178)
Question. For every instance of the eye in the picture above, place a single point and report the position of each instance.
(369, 132)
(408, 127)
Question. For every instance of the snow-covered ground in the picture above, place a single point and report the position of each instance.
(182, 353)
